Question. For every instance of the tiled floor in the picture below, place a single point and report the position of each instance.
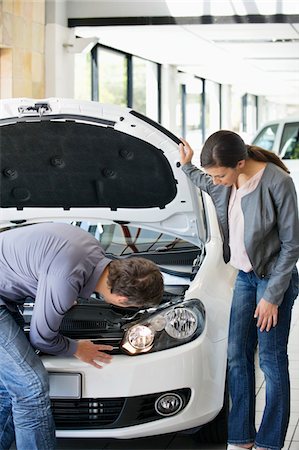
(184, 442)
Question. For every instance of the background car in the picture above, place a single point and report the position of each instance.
(282, 137)
(116, 174)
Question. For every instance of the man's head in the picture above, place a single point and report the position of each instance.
(134, 282)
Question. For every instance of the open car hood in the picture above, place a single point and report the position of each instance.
(67, 159)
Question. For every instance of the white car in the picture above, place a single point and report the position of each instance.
(116, 173)
(282, 137)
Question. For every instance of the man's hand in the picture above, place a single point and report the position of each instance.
(186, 152)
(266, 314)
(90, 353)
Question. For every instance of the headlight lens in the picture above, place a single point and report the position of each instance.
(181, 323)
(141, 337)
(172, 326)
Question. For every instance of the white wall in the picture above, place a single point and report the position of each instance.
(59, 62)
(59, 66)
(116, 8)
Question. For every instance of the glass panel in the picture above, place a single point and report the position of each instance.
(145, 87)
(139, 85)
(179, 111)
(124, 239)
(250, 114)
(112, 77)
(266, 137)
(212, 107)
(83, 76)
(289, 146)
(119, 239)
(192, 112)
(236, 110)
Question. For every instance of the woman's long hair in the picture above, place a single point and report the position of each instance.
(226, 148)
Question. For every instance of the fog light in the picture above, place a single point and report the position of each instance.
(168, 404)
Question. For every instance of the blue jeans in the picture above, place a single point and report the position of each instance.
(244, 336)
(25, 410)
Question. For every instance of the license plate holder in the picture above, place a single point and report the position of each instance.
(65, 385)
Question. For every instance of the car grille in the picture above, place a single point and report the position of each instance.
(86, 413)
(92, 413)
(99, 323)
(70, 325)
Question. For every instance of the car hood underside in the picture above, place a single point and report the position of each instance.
(77, 160)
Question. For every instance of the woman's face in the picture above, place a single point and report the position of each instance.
(223, 175)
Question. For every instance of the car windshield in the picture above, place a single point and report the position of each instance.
(266, 137)
(173, 255)
(289, 145)
(123, 240)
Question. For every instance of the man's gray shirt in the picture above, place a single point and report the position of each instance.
(55, 263)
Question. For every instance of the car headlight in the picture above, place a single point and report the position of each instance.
(169, 327)
(141, 337)
(181, 323)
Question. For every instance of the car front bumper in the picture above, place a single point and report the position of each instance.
(132, 384)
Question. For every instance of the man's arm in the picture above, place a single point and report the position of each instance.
(55, 296)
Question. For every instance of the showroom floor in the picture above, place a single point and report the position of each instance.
(182, 442)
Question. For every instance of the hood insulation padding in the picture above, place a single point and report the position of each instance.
(71, 164)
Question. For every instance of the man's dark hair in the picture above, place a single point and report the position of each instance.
(139, 279)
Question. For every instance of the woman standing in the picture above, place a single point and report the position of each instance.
(257, 211)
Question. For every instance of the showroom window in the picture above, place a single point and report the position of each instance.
(249, 113)
(236, 110)
(190, 117)
(114, 77)
(212, 107)
(83, 76)
(145, 87)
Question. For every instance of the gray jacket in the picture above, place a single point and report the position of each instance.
(271, 225)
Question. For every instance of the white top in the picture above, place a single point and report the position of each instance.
(239, 258)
